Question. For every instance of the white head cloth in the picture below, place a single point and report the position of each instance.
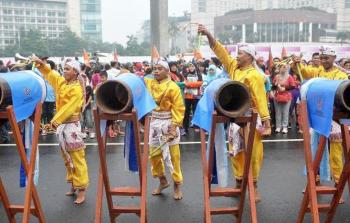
(162, 63)
(327, 50)
(248, 48)
(74, 64)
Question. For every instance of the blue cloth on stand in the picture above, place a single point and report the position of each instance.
(324, 170)
(203, 118)
(320, 101)
(26, 93)
(144, 104)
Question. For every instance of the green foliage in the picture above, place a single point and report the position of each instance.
(69, 44)
(343, 37)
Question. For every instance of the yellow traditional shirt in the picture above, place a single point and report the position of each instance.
(168, 97)
(248, 76)
(309, 72)
(69, 97)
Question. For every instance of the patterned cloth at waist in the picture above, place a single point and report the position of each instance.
(161, 115)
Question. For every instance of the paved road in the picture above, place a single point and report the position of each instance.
(281, 185)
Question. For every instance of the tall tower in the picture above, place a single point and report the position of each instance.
(159, 26)
(74, 16)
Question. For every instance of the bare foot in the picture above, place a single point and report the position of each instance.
(160, 188)
(71, 192)
(81, 197)
(257, 196)
(177, 192)
(341, 200)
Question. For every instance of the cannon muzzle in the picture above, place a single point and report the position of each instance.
(114, 97)
(232, 99)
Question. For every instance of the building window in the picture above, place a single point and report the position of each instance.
(52, 14)
(7, 19)
(7, 11)
(347, 3)
(9, 41)
(202, 5)
(90, 27)
(61, 14)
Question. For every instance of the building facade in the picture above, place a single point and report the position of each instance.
(277, 25)
(204, 11)
(91, 23)
(49, 17)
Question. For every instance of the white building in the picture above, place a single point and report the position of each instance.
(204, 11)
(49, 17)
(73, 14)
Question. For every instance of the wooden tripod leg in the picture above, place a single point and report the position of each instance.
(21, 150)
(6, 203)
(311, 167)
(30, 174)
(206, 216)
(346, 152)
(248, 133)
(99, 198)
(143, 216)
(344, 175)
(103, 164)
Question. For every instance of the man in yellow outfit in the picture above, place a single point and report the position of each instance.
(243, 70)
(164, 134)
(328, 71)
(69, 101)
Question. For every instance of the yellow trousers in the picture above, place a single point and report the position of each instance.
(79, 178)
(336, 160)
(157, 163)
(256, 161)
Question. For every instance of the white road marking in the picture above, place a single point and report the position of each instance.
(181, 143)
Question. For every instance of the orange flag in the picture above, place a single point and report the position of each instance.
(154, 55)
(197, 54)
(86, 58)
(270, 60)
(284, 53)
(115, 55)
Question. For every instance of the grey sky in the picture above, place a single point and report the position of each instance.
(125, 17)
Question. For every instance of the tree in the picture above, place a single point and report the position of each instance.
(69, 44)
(343, 36)
(173, 33)
(132, 47)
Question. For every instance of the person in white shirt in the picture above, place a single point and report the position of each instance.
(114, 71)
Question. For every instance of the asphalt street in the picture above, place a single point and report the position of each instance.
(281, 184)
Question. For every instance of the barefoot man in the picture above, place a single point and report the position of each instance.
(164, 134)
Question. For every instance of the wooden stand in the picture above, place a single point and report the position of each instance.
(142, 157)
(310, 203)
(247, 180)
(30, 192)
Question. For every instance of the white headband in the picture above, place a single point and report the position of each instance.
(248, 48)
(162, 63)
(74, 64)
(327, 50)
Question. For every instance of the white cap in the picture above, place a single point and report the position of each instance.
(248, 48)
(74, 64)
(327, 50)
(162, 63)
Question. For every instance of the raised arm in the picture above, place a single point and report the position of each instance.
(226, 59)
(52, 76)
